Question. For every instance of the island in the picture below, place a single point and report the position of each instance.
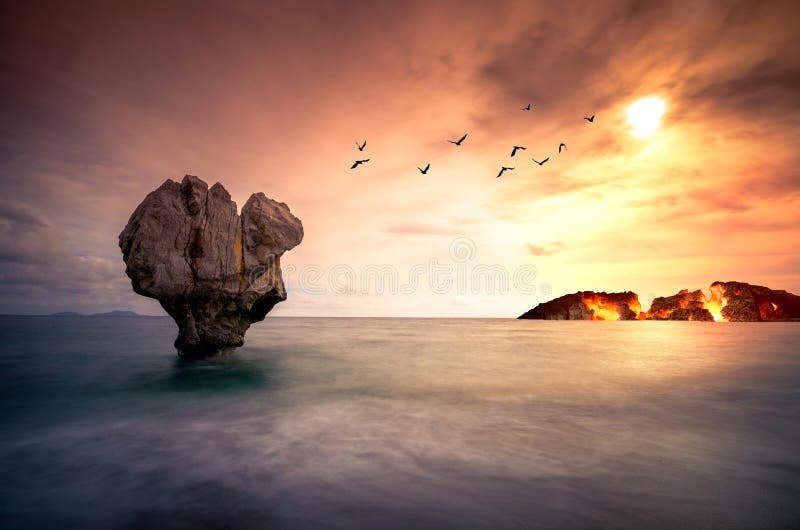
(728, 302)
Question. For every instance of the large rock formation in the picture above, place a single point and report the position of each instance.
(588, 305)
(213, 271)
(728, 301)
(682, 306)
(749, 303)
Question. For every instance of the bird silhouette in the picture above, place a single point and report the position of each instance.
(361, 146)
(459, 140)
(542, 162)
(514, 151)
(590, 120)
(527, 108)
(358, 163)
(504, 169)
(562, 144)
(425, 171)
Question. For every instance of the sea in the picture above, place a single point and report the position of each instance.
(340, 423)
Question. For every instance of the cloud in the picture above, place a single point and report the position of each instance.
(545, 250)
(415, 228)
(768, 86)
(39, 274)
(27, 238)
(22, 213)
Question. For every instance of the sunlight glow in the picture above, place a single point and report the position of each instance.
(644, 115)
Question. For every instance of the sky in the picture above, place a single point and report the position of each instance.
(101, 102)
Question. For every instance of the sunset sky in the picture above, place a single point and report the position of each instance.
(101, 103)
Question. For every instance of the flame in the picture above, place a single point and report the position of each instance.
(716, 302)
(774, 306)
(603, 309)
(601, 312)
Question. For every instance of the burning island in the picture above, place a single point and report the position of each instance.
(727, 302)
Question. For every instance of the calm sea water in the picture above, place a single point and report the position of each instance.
(401, 423)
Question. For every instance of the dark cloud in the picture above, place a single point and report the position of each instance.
(38, 273)
(22, 213)
(574, 63)
(60, 281)
(767, 89)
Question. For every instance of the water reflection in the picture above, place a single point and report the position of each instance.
(225, 374)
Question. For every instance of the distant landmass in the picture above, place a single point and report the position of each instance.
(729, 302)
(120, 314)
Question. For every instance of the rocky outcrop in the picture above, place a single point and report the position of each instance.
(750, 303)
(728, 301)
(567, 307)
(215, 272)
(588, 305)
(685, 305)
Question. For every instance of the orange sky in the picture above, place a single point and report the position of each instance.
(100, 104)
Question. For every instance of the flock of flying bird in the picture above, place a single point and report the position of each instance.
(503, 169)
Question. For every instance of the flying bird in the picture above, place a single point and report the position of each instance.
(459, 140)
(503, 170)
(542, 162)
(361, 146)
(527, 108)
(425, 171)
(590, 120)
(562, 144)
(514, 151)
(358, 163)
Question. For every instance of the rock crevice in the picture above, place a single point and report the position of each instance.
(214, 271)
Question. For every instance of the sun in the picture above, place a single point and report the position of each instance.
(644, 115)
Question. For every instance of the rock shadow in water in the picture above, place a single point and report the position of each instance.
(213, 375)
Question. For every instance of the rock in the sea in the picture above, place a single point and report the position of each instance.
(588, 305)
(685, 305)
(749, 303)
(215, 272)
(728, 301)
